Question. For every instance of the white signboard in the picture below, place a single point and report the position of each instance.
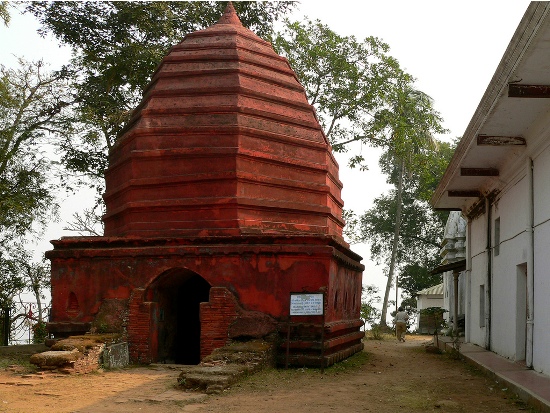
(306, 304)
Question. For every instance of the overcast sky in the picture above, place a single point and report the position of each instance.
(452, 49)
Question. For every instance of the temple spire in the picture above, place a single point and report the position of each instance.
(229, 16)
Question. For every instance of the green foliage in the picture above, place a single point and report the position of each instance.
(12, 281)
(403, 231)
(435, 311)
(420, 232)
(116, 47)
(405, 127)
(18, 274)
(416, 276)
(345, 79)
(408, 301)
(34, 111)
(376, 332)
(39, 332)
(4, 12)
(432, 167)
(351, 227)
(369, 312)
(435, 316)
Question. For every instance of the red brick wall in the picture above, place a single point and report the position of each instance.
(142, 343)
(216, 316)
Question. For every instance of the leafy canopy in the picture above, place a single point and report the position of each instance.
(421, 229)
(370, 298)
(34, 111)
(345, 79)
(4, 13)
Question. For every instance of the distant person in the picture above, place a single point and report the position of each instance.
(401, 318)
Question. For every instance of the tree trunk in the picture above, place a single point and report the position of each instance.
(397, 227)
(38, 303)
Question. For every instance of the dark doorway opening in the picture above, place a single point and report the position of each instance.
(179, 293)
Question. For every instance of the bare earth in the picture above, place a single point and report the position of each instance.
(390, 377)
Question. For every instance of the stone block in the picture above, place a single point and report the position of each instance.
(116, 356)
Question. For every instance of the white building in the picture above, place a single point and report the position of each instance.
(426, 298)
(499, 178)
(430, 297)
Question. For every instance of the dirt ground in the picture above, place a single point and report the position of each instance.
(388, 377)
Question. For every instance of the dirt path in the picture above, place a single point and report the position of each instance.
(390, 377)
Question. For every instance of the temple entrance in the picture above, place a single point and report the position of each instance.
(178, 294)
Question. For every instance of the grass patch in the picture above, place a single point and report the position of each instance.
(348, 365)
(271, 379)
(378, 335)
(17, 359)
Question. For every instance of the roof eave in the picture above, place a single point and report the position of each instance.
(512, 57)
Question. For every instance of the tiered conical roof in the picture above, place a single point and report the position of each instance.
(224, 142)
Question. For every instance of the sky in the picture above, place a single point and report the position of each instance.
(452, 49)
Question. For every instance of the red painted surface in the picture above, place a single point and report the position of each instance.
(223, 143)
(216, 316)
(223, 175)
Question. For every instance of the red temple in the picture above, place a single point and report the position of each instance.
(222, 198)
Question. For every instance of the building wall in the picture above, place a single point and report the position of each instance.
(259, 277)
(509, 268)
(508, 312)
(476, 318)
(427, 301)
(260, 283)
(541, 189)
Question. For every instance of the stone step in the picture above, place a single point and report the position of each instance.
(209, 383)
(229, 369)
(225, 366)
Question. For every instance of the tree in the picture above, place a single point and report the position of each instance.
(346, 80)
(37, 279)
(415, 277)
(402, 228)
(414, 274)
(369, 312)
(406, 128)
(86, 223)
(34, 111)
(12, 281)
(4, 12)
(20, 275)
(116, 47)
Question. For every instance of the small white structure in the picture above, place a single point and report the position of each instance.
(430, 297)
(499, 180)
(426, 298)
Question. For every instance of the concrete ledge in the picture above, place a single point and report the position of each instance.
(530, 386)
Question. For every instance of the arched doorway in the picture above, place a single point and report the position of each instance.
(178, 294)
